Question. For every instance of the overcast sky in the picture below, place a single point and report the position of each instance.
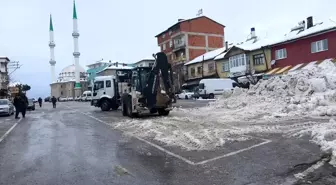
(124, 30)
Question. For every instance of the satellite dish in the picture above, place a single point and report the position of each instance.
(273, 62)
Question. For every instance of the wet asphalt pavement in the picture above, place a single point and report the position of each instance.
(65, 146)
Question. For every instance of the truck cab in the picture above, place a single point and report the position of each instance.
(105, 94)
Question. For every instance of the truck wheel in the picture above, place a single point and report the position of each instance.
(186, 97)
(163, 112)
(124, 109)
(211, 96)
(105, 105)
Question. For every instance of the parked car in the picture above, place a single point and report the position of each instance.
(31, 104)
(47, 99)
(34, 100)
(78, 98)
(6, 107)
(185, 94)
(62, 99)
(70, 99)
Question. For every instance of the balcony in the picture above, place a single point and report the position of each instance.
(179, 43)
(239, 65)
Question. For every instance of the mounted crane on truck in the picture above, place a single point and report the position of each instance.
(138, 90)
(145, 94)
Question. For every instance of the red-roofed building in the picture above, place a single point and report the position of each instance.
(306, 43)
(188, 39)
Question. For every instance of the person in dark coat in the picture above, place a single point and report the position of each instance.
(40, 101)
(20, 103)
(53, 100)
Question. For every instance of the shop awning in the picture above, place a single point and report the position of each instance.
(289, 69)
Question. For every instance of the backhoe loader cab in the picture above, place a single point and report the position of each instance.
(150, 89)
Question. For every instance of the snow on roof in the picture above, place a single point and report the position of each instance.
(222, 55)
(144, 59)
(297, 34)
(120, 66)
(207, 56)
(100, 61)
(189, 19)
(13, 84)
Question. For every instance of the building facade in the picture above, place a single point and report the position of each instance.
(188, 39)
(306, 43)
(94, 68)
(65, 84)
(4, 78)
(144, 63)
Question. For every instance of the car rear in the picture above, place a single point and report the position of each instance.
(31, 104)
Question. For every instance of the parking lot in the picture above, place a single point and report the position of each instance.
(87, 141)
(269, 158)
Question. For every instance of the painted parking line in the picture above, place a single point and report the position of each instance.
(10, 130)
(265, 141)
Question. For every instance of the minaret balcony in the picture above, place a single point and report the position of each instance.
(52, 44)
(76, 54)
(75, 34)
(52, 62)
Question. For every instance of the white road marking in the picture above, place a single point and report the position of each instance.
(235, 152)
(266, 141)
(8, 131)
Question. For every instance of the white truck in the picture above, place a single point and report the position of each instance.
(106, 92)
(208, 88)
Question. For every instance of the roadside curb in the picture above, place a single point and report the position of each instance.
(9, 130)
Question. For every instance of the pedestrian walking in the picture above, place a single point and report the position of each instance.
(20, 103)
(40, 101)
(53, 100)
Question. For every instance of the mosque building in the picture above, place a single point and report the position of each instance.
(72, 80)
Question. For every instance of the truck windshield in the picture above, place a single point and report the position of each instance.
(201, 86)
(98, 85)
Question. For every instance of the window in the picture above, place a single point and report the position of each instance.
(99, 85)
(163, 36)
(108, 83)
(151, 64)
(280, 54)
(258, 59)
(199, 70)
(211, 67)
(164, 46)
(192, 71)
(61, 92)
(318, 46)
(171, 43)
(238, 60)
(170, 32)
(225, 66)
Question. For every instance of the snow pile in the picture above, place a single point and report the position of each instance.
(324, 135)
(238, 115)
(307, 92)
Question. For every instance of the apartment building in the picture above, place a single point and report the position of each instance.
(4, 78)
(188, 39)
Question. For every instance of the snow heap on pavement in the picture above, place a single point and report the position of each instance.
(304, 93)
(276, 105)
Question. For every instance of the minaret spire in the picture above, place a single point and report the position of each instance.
(52, 54)
(76, 53)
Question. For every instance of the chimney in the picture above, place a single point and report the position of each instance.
(116, 64)
(253, 35)
(309, 22)
(226, 45)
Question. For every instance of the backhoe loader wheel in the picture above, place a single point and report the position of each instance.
(163, 112)
(105, 105)
(124, 109)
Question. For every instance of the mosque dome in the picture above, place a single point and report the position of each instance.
(68, 74)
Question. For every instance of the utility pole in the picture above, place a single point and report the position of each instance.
(13, 66)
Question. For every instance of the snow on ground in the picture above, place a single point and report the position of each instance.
(268, 107)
